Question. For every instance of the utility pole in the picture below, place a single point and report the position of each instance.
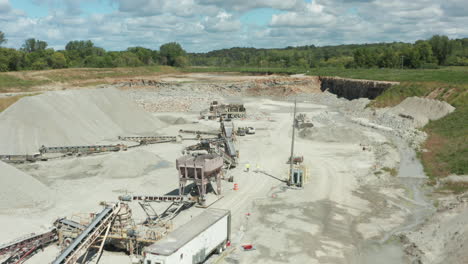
(291, 159)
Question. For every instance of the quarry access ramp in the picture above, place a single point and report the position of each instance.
(85, 240)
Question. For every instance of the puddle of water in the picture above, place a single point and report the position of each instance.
(411, 175)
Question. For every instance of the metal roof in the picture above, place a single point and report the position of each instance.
(184, 234)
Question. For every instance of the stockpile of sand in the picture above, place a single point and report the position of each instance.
(125, 164)
(71, 118)
(129, 164)
(19, 190)
(421, 110)
(173, 120)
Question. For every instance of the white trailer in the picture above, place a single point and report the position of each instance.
(193, 242)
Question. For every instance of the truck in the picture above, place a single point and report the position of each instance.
(207, 233)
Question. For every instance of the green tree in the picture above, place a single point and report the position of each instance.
(40, 64)
(143, 54)
(413, 58)
(425, 51)
(2, 38)
(170, 51)
(58, 60)
(440, 47)
(389, 59)
(32, 45)
(181, 61)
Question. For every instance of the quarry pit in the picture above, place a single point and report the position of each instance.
(365, 198)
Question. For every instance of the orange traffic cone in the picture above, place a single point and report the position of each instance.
(236, 187)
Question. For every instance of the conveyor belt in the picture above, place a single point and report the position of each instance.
(230, 148)
(71, 223)
(152, 198)
(82, 149)
(22, 249)
(150, 139)
(198, 132)
(82, 243)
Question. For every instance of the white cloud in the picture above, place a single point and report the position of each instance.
(203, 25)
(245, 5)
(5, 6)
(312, 16)
(223, 22)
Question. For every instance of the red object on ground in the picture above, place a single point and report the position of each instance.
(247, 247)
(228, 244)
(247, 214)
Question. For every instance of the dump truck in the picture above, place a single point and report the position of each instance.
(193, 242)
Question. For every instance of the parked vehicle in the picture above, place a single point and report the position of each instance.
(241, 131)
(250, 130)
(193, 242)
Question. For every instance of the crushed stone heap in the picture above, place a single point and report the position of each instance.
(74, 117)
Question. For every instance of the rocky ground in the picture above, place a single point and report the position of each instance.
(365, 198)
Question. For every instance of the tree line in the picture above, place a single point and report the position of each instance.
(35, 55)
(438, 50)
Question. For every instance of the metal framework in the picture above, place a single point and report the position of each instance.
(150, 140)
(224, 110)
(201, 170)
(88, 237)
(82, 149)
(22, 249)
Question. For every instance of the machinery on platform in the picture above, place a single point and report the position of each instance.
(114, 225)
(218, 110)
(201, 170)
(301, 121)
(298, 172)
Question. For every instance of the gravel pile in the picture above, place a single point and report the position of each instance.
(19, 190)
(74, 117)
(421, 110)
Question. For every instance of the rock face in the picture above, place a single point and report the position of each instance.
(353, 88)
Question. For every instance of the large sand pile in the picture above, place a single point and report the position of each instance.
(19, 190)
(71, 118)
(422, 109)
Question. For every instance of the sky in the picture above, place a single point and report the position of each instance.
(205, 25)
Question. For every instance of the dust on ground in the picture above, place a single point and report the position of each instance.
(353, 210)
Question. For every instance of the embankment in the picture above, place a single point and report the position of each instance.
(354, 88)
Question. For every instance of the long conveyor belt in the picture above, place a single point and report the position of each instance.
(82, 243)
(199, 132)
(151, 138)
(21, 249)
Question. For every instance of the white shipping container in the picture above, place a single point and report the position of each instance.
(193, 242)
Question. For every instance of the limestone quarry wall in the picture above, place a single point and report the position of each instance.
(354, 88)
